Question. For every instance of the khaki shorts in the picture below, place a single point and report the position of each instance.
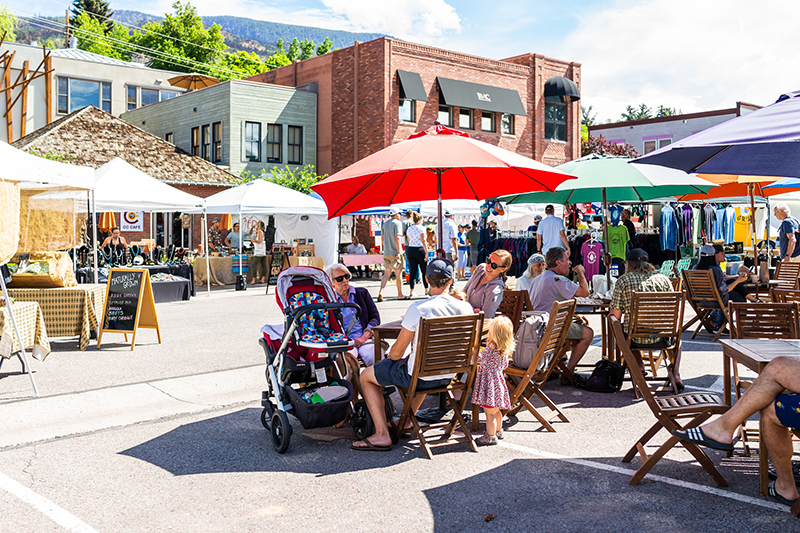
(575, 331)
(393, 262)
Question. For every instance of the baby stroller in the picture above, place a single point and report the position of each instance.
(301, 352)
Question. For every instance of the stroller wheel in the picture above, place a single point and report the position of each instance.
(266, 415)
(281, 431)
(361, 420)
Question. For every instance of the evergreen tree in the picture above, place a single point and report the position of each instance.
(8, 22)
(99, 10)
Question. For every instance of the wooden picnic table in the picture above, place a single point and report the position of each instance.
(755, 354)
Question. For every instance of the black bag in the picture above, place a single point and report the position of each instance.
(606, 377)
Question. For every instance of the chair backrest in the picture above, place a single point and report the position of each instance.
(683, 264)
(764, 320)
(666, 267)
(656, 315)
(555, 334)
(447, 345)
(632, 363)
(701, 289)
(677, 284)
(787, 272)
(512, 306)
(784, 295)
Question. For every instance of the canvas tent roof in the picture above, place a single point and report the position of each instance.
(263, 197)
(33, 172)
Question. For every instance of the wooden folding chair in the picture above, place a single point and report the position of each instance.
(677, 284)
(779, 295)
(760, 321)
(657, 315)
(524, 383)
(668, 410)
(703, 295)
(787, 274)
(512, 305)
(445, 345)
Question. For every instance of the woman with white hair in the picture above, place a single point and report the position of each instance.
(368, 316)
(536, 266)
(787, 239)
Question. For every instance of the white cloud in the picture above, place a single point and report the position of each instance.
(689, 54)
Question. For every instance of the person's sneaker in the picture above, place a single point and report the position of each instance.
(486, 440)
(499, 434)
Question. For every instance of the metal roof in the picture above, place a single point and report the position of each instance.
(83, 55)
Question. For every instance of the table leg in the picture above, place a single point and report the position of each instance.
(726, 376)
(376, 339)
(763, 462)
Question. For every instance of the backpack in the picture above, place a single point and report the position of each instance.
(528, 337)
(606, 377)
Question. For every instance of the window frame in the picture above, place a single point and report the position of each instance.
(273, 144)
(169, 137)
(294, 146)
(216, 140)
(510, 123)
(465, 112)
(195, 141)
(128, 102)
(493, 123)
(103, 94)
(556, 102)
(412, 104)
(205, 138)
(443, 108)
(256, 142)
(149, 90)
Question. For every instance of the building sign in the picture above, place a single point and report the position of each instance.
(131, 221)
(484, 97)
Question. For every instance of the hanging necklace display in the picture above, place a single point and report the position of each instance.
(170, 254)
(179, 254)
(106, 254)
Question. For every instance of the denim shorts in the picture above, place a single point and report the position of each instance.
(787, 407)
(391, 372)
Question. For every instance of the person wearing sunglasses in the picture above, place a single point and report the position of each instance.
(485, 287)
(368, 316)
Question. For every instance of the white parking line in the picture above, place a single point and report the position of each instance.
(45, 506)
(653, 477)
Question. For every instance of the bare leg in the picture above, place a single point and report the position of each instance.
(778, 440)
(398, 274)
(373, 395)
(384, 280)
(494, 420)
(580, 349)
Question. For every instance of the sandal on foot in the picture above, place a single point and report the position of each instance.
(486, 440)
(696, 436)
(403, 297)
(370, 447)
(774, 493)
(380, 297)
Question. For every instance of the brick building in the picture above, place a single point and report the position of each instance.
(377, 93)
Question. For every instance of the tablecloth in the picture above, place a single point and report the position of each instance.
(171, 291)
(184, 270)
(221, 271)
(362, 259)
(68, 311)
(32, 329)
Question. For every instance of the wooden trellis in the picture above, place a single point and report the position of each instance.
(23, 79)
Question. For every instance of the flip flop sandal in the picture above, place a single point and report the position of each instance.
(370, 447)
(696, 436)
(403, 298)
(774, 494)
(380, 297)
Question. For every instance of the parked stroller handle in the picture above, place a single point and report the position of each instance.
(294, 314)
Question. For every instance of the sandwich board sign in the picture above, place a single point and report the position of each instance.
(129, 304)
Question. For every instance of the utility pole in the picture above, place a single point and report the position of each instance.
(66, 31)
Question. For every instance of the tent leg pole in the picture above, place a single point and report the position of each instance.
(24, 355)
(208, 262)
(440, 251)
(606, 254)
(94, 237)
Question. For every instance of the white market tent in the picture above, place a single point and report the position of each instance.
(21, 170)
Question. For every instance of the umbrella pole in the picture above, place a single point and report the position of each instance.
(239, 253)
(607, 254)
(750, 189)
(440, 251)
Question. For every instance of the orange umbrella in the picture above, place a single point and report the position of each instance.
(192, 81)
(106, 222)
(225, 222)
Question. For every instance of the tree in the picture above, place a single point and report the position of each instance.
(8, 21)
(97, 10)
(667, 111)
(637, 113)
(599, 145)
(182, 35)
(325, 47)
(299, 179)
(587, 117)
(92, 37)
(240, 65)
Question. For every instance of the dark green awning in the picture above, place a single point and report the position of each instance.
(484, 97)
(560, 86)
(411, 87)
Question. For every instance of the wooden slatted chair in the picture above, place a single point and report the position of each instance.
(657, 315)
(512, 305)
(445, 345)
(525, 383)
(760, 321)
(697, 407)
(784, 295)
(787, 274)
(703, 295)
(677, 284)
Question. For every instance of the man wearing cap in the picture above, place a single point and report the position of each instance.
(397, 369)
(450, 237)
(551, 231)
(215, 236)
(535, 267)
(535, 226)
(640, 276)
(391, 233)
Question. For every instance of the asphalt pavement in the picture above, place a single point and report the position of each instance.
(167, 437)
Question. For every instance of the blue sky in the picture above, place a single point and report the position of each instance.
(694, 55)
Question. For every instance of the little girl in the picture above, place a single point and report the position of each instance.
(490, 386)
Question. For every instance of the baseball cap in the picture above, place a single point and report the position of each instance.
(707, 249)
(447, 213)
(535, 258)
(394, 211)
(537, 218)
(442, 267)
(637, 254)
(549, 208)
(718, 248)
(215, 219)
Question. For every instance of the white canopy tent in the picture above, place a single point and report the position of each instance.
(21, 170)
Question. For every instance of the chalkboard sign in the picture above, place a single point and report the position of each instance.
(129, 304)
(276, 266)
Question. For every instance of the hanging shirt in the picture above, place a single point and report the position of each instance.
(668, 232)
(617, 239)
(719, 225)
(697, 234)
(709, 219)
(592, 253)
(729, 225)
(615, 212)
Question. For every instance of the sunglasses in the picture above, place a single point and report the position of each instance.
(339, 279)
(493, 265)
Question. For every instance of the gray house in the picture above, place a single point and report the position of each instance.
(237, 124)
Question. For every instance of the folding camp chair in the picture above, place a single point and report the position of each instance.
(760, 321)
(524, 383)
(703, 295)
(683, 264)
(666, 267)
(657, 315)
(445, 345)
(668, 410)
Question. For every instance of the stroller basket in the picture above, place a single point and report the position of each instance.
(321, 414)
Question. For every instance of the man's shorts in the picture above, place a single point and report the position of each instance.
(391, 372)
(575, 331)
(393, 262)
(787, 407)
(473, 258)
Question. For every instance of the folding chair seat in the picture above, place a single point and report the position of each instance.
(703, 295)
(657, 315)
(760, 321)
(445, 345)
(669, 411)
(525, 383)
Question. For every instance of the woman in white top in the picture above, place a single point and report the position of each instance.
(258, 261)
(416, 252)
